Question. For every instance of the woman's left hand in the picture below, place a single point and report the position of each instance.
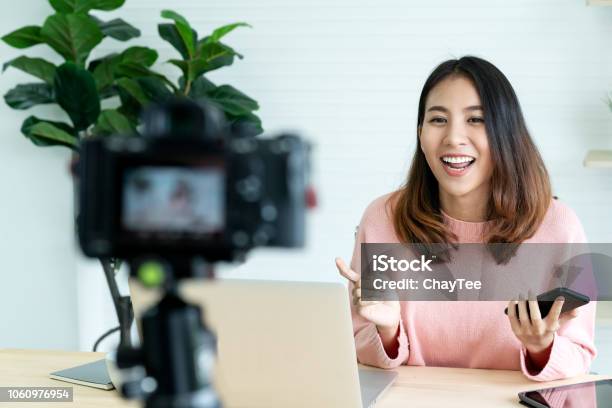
(537, 333)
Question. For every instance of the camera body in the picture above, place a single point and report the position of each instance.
(190, 187)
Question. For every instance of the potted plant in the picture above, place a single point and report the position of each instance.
(124, 79)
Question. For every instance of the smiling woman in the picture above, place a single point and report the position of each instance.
(468, 112)
(476, 177)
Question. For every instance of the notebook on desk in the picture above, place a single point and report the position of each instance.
(91, 374)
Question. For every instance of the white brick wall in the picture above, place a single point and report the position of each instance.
(347, 74)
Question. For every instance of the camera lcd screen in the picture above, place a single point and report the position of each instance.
(173, 200)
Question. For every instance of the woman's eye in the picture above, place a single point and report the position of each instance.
(437, 120)
(476, 120)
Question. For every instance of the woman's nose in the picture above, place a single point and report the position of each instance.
(456, 134)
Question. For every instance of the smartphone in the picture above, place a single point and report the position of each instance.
(573, 300)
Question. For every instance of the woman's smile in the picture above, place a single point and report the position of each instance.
(457, 165)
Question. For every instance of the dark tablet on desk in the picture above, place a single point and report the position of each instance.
(593, 394)
(92, 374)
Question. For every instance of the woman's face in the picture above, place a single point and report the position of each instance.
(454, 140)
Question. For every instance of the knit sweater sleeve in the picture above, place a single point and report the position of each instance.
(368, 344)
(573, 347)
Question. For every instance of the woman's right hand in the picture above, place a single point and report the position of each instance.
(384, 314)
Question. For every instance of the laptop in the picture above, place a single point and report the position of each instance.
(280, 344)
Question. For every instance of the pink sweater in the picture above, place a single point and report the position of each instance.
(472, 334)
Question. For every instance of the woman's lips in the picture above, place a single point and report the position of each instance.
(457, 169)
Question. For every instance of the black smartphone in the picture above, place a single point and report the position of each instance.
(573, 300)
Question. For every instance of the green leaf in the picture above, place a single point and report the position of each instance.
(111, 121)
(24, 37)
(117, 29)
(104, 70)
(200, 87)
(133, 89)
(108, 92)
(48, 133)
(214, 56)
(246, 125)
(76, 93)
(27, 125)
(106, 5)
(182, 65)
(155, 89)
(136, 60)
(130, 107)
(139, 55)
(24, 96)
(37, 67)
(169, 33)
(184, 30)
(133, 70)
(191, 68)
(224, 30)
(83, 6)
(73, 36)
(232, 100)
(93, 64)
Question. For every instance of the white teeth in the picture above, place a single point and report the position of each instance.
(462, 159)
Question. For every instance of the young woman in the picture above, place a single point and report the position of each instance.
(476, 177)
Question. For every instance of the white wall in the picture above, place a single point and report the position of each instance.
(38, 306)
(347, 74)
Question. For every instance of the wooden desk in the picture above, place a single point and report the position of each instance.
(415, 386)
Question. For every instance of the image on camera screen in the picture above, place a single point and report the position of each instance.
(173, 200)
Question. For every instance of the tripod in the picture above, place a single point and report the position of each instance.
(178, 351)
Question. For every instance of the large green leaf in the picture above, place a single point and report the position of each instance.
(73, 36)
(133, 89)
(170, 33)
(224, 30)
(24, 96)
(191, 68)
(93, 64)
(214, 56)
(117, 29)
(37, 67)
(111, 122)
(184, 30)
(133, 70)
(104, 71)
(137, 60)
(24, 37)
(28, 124)
(155, 89)
(130, 107)
(139, 55)
(49, 133)
(232, 100)
(199, 87)
(211, 56)
(83, 6)
(76, 93)
(184, 66)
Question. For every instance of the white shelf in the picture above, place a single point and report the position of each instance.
(599, 159)
(599, 2)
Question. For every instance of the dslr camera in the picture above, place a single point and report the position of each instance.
(191, 186)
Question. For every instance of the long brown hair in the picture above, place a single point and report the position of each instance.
(520, 186)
